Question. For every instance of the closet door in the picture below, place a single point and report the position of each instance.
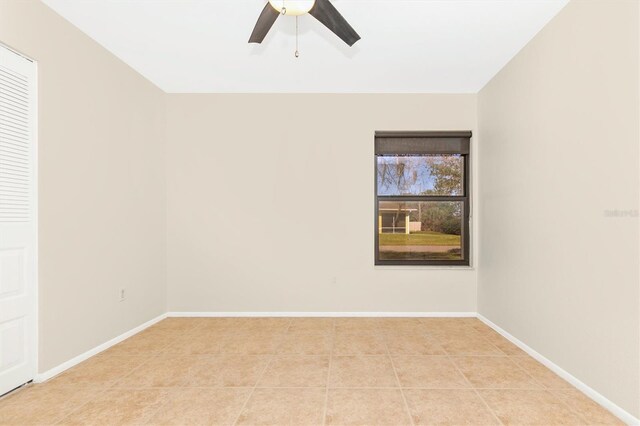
(18, 220)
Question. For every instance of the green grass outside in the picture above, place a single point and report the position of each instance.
(422, 238)
(447, 255)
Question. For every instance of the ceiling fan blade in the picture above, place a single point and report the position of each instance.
(264, 24)
(329, 16)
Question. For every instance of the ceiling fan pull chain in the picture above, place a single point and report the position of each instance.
(297, 53)
(284, 9)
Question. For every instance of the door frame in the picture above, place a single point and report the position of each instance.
(34, 356)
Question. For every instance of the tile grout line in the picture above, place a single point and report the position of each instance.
(150, 416)
(93, 398)
(505, 355)
(542, 386)
(326, 393)
(169, 390)
(550, 391)
(509, 357)
(395, 372)
(495, 416)
(322, 387)
(573, 410)
(63, 418)
(264, 370)
(104, 389)
(235, 422)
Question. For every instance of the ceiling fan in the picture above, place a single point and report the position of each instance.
(322, 10)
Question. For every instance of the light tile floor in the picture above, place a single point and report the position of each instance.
(307, 371)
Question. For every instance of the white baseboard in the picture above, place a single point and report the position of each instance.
(323, 314)
(41, 377)
(590, 392)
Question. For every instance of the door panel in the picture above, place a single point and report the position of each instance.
(12, 344)
(18, 242)
(12, 272)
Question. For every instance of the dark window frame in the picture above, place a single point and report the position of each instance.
(427, 142)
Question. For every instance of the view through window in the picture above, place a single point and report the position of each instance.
(422, 204)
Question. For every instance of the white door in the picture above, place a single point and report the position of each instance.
(18, 224)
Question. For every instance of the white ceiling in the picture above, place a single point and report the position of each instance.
(407, 46)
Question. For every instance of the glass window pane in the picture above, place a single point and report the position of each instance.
(420, 174)
(425, 230)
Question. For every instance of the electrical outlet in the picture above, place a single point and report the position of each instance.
(122, 294)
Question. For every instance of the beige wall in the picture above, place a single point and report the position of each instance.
(101, 182)
(560, 131)
(270, 203)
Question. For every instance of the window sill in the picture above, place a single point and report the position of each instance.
(426, 267)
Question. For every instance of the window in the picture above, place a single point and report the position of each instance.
(422, 198)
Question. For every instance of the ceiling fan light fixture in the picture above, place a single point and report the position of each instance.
(322, 10)
(292, 7)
